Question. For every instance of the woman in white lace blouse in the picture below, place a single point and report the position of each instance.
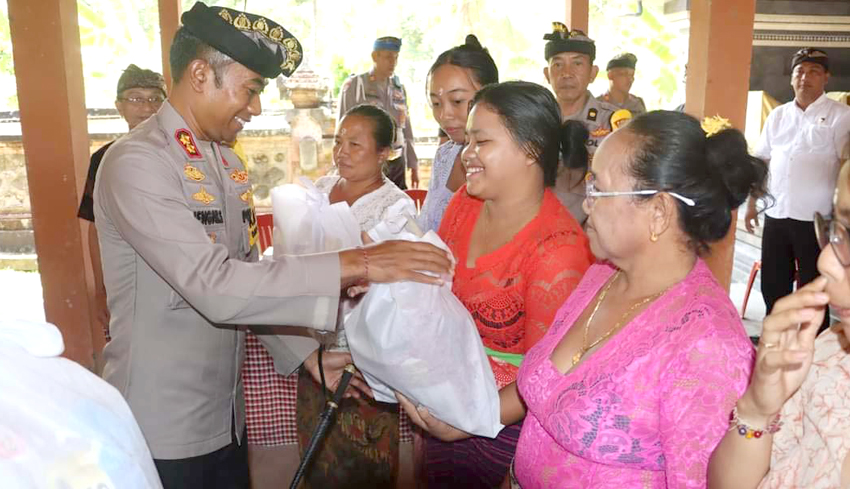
(452, 82)
(359, 151)
(282, 410)
(369, 435)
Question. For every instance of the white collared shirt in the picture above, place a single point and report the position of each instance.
(805, 149)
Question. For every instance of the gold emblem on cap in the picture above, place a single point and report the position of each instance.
(193, 173)
(247, 196)
(276, 34)
(260, 25)
(239, 176)
(293, 54)
(559, 27)
(225, 14)
(241, 22)
(292, 49)
(203, 197)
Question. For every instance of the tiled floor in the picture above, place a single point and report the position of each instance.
(755, 307)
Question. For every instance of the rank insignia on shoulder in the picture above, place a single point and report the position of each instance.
(246, 196)
(187, 142)
(193, 173)
(239, 176)
(599, 132)
(591, 114)
(204, 197)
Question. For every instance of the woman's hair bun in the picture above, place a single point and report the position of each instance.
(717, 173)
(472, 56)
(574, 137)
(472, 42)
(742, 173)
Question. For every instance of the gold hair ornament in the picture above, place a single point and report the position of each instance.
(714, 124)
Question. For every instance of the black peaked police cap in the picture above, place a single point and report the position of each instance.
(562, 40)
(258, 43)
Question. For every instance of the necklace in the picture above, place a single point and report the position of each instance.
(584, 346)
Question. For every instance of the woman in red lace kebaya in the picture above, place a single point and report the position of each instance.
(519, 255)
(633, 384)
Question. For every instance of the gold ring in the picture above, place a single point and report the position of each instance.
(770, 345)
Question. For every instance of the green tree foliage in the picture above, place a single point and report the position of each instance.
(660, 47)
(8, 88)
(113, 34)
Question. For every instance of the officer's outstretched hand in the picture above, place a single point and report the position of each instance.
(394, 261)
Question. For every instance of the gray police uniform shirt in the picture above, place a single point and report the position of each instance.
(633, 103)
(596, 116)
(391, 96)
(177, 231)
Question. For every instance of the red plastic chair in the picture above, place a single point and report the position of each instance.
(753, 272)
(265, 226)
(418, 195)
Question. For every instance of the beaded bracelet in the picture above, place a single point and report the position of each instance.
(744, 430)
(365, 264)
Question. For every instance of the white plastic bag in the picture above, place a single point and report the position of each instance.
(61, 425)
(420, 340)
(306, 222)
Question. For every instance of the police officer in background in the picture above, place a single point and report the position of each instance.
(382, 87)
(621, 76)
(175, 217)
(570, 56)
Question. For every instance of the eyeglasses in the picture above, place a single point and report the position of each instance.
(591, 193)
(144, 100)
(831, 232)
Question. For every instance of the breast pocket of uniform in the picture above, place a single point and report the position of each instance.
(213, 221)
(819, 138)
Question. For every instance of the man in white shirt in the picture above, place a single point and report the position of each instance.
(805, 141)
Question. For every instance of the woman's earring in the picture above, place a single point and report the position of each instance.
(653, 237)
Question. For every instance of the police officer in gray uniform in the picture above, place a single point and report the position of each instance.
(621, 76)
(383, 88)
(175, 219)
(570, 56)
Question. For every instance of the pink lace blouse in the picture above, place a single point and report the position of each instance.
(648, 407)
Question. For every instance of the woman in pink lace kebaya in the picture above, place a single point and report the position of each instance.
(633, 383)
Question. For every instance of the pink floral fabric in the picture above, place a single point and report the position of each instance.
(810, 449)
(648, 407)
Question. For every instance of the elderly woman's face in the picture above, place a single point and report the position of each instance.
(616, 226)
(355, 150)
(838, 276)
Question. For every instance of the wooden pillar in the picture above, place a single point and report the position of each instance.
(169, 22)
(578, 14)
(719, 55)
(45, 34)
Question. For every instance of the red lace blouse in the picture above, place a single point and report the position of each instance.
(514, 292)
